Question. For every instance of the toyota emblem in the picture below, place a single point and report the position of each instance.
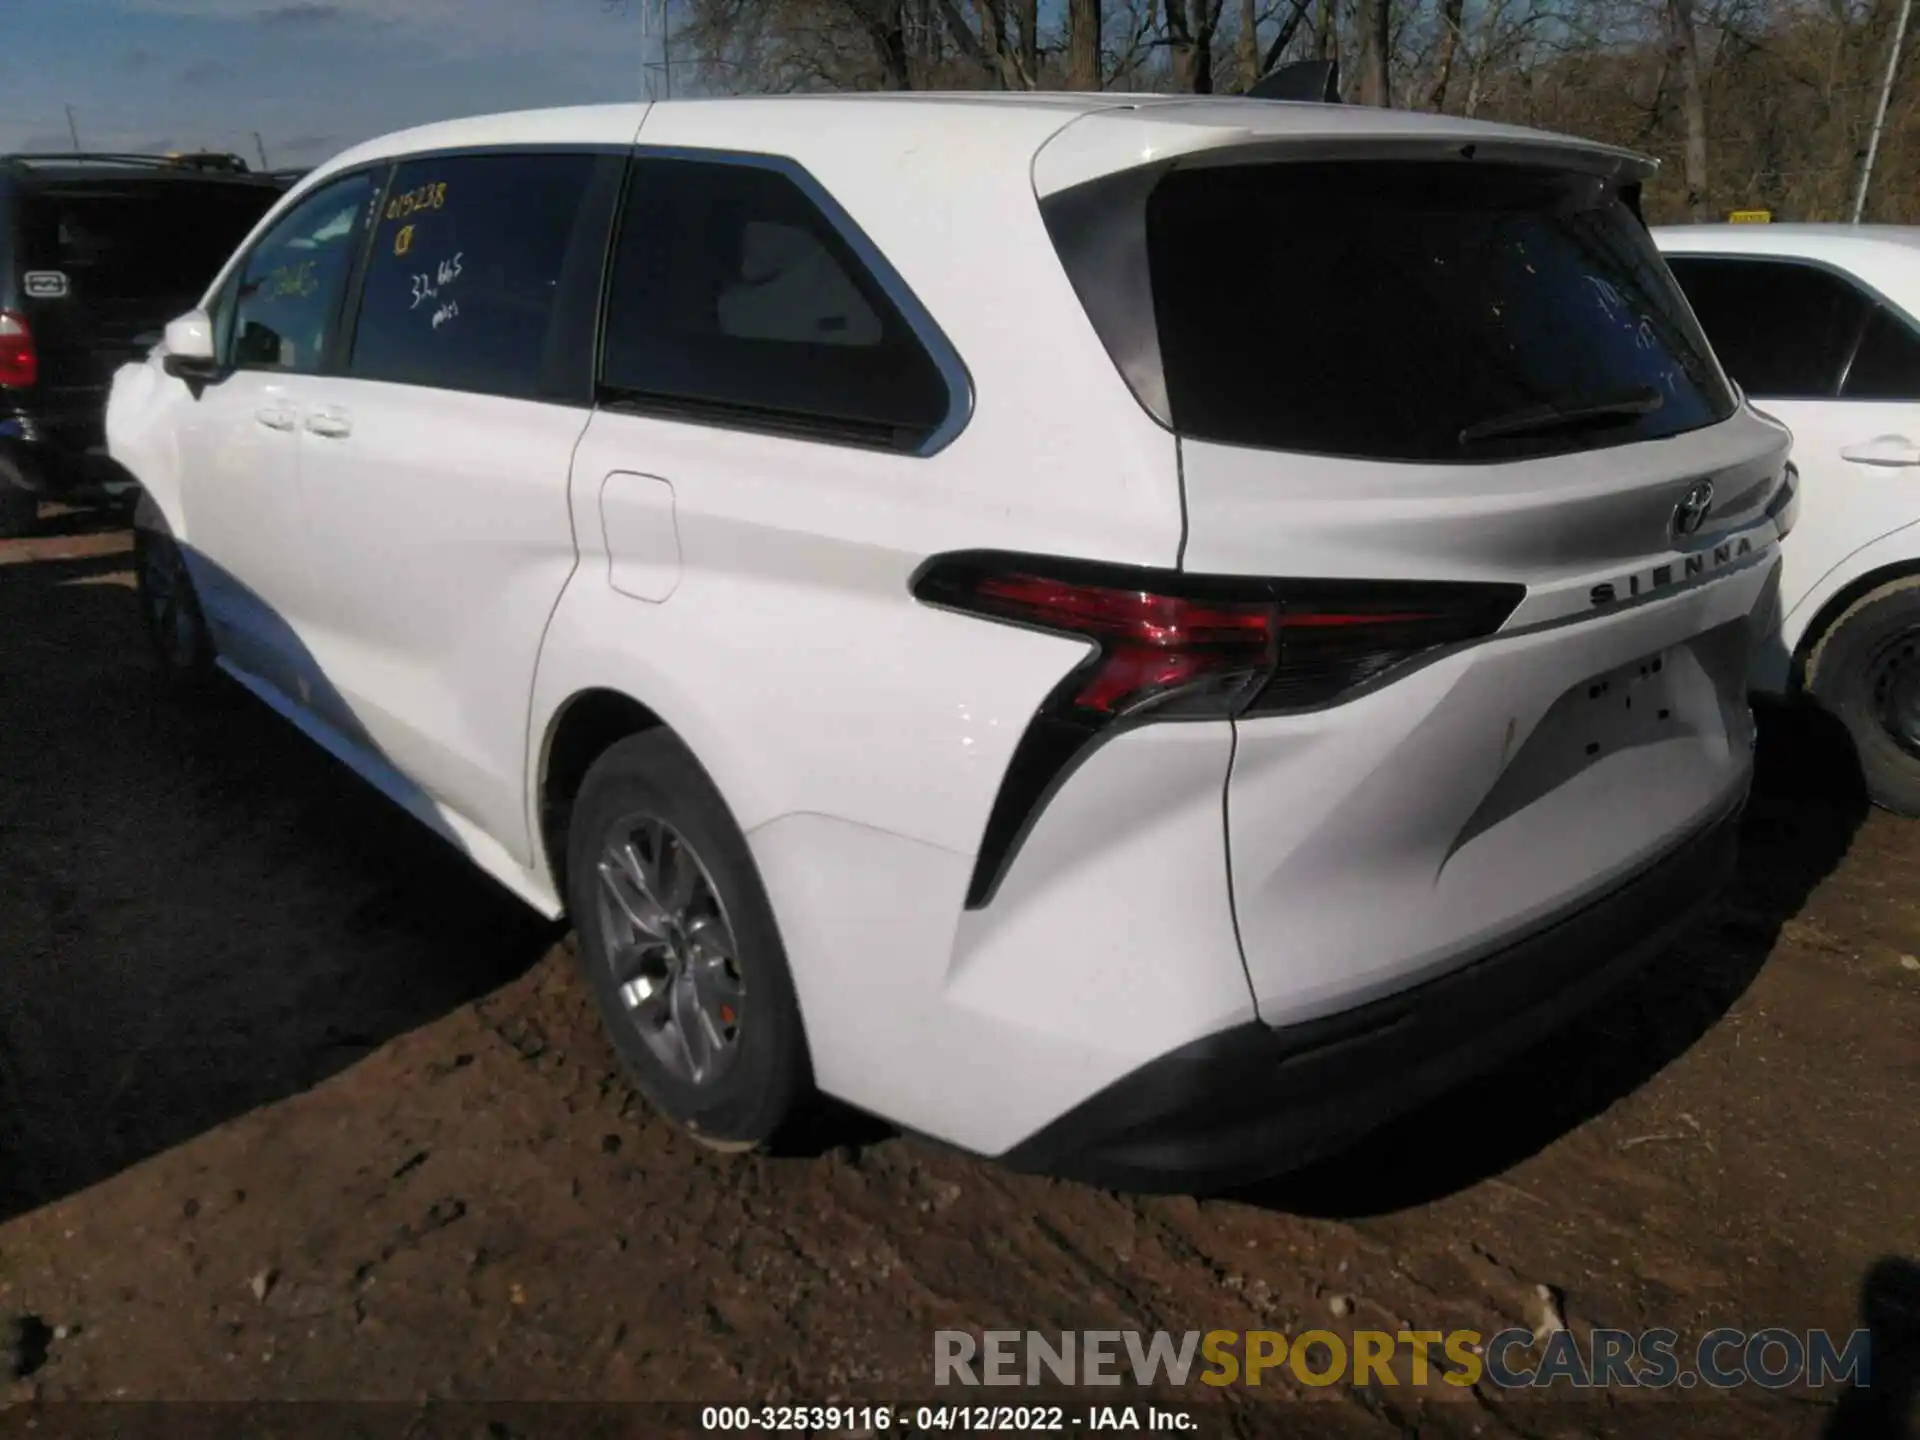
(1691, 513)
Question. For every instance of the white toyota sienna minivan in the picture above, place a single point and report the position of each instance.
(1141, 636)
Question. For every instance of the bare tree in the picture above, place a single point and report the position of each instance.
(1685, 41)
(1376, 46)
(980, 50)
(1191, 28)
(1133, 60)
(1083, 44)
(1002, 44)
(1451, 15)
(1292, 13)
(1746, 102)
(1492, 49)
(1027, 19)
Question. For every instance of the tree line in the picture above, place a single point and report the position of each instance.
(1749, 104)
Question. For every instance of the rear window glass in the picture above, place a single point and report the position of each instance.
(735, 299)
(1419, 312)
(134, 241)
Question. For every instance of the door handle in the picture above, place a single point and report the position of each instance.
(274, 417)
(1887, 451)
(329, 423)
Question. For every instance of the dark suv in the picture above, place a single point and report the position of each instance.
(97, 253)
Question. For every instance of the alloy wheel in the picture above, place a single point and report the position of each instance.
(671, 948)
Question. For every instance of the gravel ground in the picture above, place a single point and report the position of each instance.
(294, 1106)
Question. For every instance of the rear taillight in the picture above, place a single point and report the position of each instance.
(1175, 646)
(1172, 646)
(1784, 509)
(19, 361)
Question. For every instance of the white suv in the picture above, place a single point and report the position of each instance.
(1821, 326)
(1139, 636)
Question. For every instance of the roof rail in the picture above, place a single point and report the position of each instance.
(200, 160)
(210, 160)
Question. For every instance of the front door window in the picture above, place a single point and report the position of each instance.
(288, 299)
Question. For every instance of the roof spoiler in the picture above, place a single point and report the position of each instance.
(1312, 80)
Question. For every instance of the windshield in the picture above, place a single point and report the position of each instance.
(1436, 312)
(140, 240)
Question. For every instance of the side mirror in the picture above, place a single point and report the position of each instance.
(189, 342)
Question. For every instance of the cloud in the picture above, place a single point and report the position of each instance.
(206, 72)
(302, 15)
(306, 147)
(136, 60)
(455, 27)
(41, 142)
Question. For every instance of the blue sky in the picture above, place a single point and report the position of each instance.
(312, 76)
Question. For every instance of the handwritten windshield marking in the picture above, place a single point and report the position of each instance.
(427, 285)
(421, 197)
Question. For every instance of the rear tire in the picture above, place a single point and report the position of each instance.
(169, 607)
(680, 947)
(1866, 673)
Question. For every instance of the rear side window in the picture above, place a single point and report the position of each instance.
(139, 240)
(1887, 364)
(1439, 312)
(736, 300)
(466, 266)
(1783, 331)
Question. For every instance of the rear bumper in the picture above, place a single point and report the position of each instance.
(1252, 1101)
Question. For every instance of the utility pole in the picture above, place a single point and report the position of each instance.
(666, 49)
(73, 129)
(665, 63)
(261, 146)
(1880, 112)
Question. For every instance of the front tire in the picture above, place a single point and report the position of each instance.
(679, 945)
(170, 608)
(19, 510)
(1866, 673)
